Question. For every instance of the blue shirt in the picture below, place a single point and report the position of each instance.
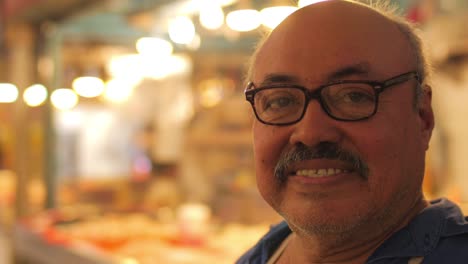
(439, 234)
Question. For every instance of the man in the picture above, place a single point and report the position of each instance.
(343, 121)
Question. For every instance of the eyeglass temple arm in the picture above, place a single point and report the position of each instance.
(402, 78)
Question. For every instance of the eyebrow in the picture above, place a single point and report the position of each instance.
(358, 69)
(274, 78)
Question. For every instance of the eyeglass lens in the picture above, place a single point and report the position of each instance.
(348, 101)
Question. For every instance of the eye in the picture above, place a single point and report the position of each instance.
(355, 95)
(279, 100)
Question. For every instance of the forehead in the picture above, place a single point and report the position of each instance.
(331, 36)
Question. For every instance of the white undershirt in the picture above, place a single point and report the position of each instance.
(279, 250)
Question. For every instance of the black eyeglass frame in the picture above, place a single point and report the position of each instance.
(378, 87)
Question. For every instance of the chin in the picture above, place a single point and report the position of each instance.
(325, 225)
(327, 217)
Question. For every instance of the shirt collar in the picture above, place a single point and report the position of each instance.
(273, 239)
(440, 219)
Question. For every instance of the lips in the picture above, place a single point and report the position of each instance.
(319, 173)
(319, 168)
(323, 160)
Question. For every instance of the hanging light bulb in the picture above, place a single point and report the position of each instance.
(35, 95)
(154, 47)
(272, 16)
(64, 99)
(118, 90)
(88, 86)
(181, 30)
(303, 3)
(126, 66)
(211, 15)
(243, 20)
(8, 93)
(160, 69)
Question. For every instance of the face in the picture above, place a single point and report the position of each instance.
(312, 48)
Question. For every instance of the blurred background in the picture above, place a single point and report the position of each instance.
(125, 138)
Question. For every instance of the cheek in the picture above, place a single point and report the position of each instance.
(393, 158)
(268, 143)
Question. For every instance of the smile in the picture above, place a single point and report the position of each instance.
(318, 173)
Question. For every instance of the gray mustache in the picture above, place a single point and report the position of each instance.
(323, 150)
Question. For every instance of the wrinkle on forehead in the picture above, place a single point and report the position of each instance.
(360, 69)
(336, 27)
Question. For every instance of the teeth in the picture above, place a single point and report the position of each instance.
(320, 172)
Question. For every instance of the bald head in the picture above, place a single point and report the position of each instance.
(337, 33)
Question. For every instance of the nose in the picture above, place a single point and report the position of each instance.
(315, 127)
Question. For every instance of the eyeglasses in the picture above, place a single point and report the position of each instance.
(285, 104)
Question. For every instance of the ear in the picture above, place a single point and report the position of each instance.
(426, 115)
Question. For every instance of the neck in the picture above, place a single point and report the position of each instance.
(353, 247)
